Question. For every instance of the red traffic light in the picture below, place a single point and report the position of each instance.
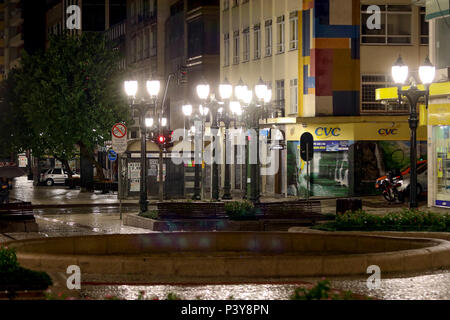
(161, 139)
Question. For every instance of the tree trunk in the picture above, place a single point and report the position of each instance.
(66, 165)
(89, 155)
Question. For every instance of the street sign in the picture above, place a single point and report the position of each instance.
(23, 161)
(112, 155)
(119, 138)
(119, 130)
(307, 146)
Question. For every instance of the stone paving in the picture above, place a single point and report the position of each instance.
(64, 197)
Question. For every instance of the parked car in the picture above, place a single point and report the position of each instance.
(55, 175)
(401, 180)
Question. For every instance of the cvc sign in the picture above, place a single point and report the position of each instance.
(328, 132)
(387, 132)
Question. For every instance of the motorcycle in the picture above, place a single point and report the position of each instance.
(390, 185)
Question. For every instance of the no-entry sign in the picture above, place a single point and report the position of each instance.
(119, 138)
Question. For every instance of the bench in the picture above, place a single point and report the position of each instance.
(17, 217)
(16, 208)
(191, 210)
(301, 210)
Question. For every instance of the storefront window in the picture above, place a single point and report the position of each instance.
(441, 137)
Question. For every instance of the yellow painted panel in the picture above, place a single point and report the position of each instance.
(436, 89)
(439, 114)
(364, 131)
(423, 115)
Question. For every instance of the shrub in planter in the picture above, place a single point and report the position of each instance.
(240, 210)
(153, 214)
(406, 220)
(15, 278)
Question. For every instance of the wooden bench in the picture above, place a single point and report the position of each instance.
(301, 210)
(22, 208)
(17, 217)
(191, 210)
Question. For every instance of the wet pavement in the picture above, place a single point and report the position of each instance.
(24, 190)
(104, 219)
(429, 286)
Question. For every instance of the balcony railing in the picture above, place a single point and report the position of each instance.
(117, 31)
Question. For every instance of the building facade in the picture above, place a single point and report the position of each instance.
(13, 34)
(436, 118)
(324, 62)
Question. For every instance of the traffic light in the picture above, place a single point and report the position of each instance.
(165, 139)
(161, 139)
(182, 75)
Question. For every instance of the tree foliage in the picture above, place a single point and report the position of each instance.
(68, 96)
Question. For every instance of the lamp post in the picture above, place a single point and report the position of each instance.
(187, 111)
(413, 94)
(203, 90)
(153, 88)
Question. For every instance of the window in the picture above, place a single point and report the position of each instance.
(226, 49)
(279, 102)
(246, 40)
(133, 13)
(226, 4)
(57, 171)
(146, 40)
(293, 43)
(369, 84)
(268, 38)
(257, 38)
(153, 41)
(395, 25)
(133, 50)
(280, 27)
(442, 44)
(139, 47)
(236, 47)
(294, 96)
(423, 27)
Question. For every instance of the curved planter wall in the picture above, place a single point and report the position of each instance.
(233, 254)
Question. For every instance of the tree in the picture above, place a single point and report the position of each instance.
(68, 96)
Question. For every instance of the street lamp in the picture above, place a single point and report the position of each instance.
(153, 88)
(261, 89)
(240, 90)
(187, 111)
(400, 74)
(149, 122)
(131, 88)
(225, 90)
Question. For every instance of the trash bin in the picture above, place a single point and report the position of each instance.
(348, 204)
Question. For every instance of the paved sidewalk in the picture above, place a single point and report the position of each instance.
(61, 196)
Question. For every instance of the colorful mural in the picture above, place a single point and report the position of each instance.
(329, 64)
(347, 170)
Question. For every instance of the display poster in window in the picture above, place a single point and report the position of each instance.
(440, 170)
(134, 174)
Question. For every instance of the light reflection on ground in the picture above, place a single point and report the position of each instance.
(430, 286)
(204, 292)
